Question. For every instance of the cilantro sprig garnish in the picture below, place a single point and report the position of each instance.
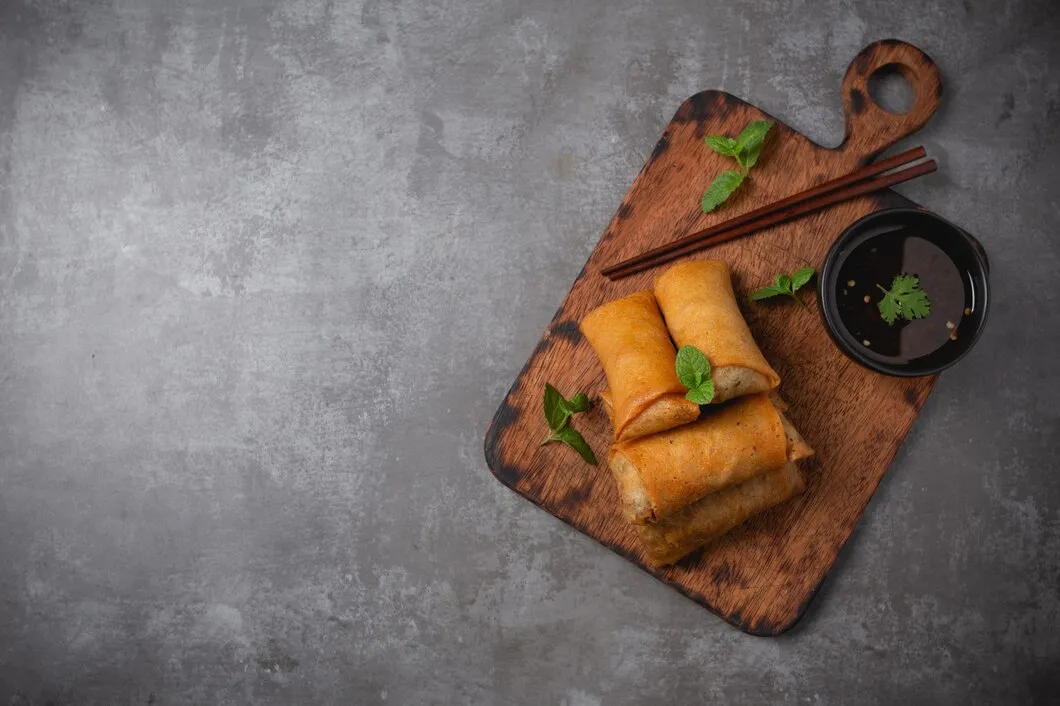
(905, 299)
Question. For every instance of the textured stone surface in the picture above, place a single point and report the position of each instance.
(266, 270)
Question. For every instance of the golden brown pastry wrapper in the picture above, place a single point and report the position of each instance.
(631, 341)
(661, 474)
(699, 306)
(714, 515)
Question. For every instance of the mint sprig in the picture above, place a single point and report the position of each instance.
(693, 370)
(786, 285)
(746, 150)
(558, 413)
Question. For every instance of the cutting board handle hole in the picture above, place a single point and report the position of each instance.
(891, 90)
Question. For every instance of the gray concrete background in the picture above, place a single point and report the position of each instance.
(266, 270)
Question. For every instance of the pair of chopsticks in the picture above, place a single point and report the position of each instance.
(857, 183)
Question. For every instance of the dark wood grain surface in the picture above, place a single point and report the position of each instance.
(762, 576)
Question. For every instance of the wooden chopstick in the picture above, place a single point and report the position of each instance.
(857, 183)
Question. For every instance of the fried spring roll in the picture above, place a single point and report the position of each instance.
(660, 475)
(700, 309)
(630, 338)
(714, 515)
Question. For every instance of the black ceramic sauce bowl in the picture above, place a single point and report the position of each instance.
(963, 250)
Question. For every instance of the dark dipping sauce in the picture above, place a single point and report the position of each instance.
(874, 263)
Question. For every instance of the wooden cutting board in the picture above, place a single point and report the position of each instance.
(762, 576)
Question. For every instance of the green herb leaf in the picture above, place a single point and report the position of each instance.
(904, 299)
(578, 403)
(556, 412)
(745, 150)
(754, 132)
(722, 188)
(889, 309)
(576, 441)
(725, 146)
(916, 305)
(786, 285)
(692, 367)
(801, 276)
(904, 284)
(749, 143)
(749, 157)
(693, 370)
(701, 394)
(767, 292)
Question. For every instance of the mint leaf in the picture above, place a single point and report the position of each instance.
(725, 146)
(786, 285)
(753, 133)
(701, 394)
(692, 367)
(801, 276)
(693, 370)
(578, 403)
(767, 292)
(749, 143)
(750, 154)
(721, 189)
(556, 412)
(576, 441)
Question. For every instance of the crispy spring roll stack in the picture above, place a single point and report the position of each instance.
(714, 515)
(630, 338)
(676, 535)
(660, 475)
(700, 309)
